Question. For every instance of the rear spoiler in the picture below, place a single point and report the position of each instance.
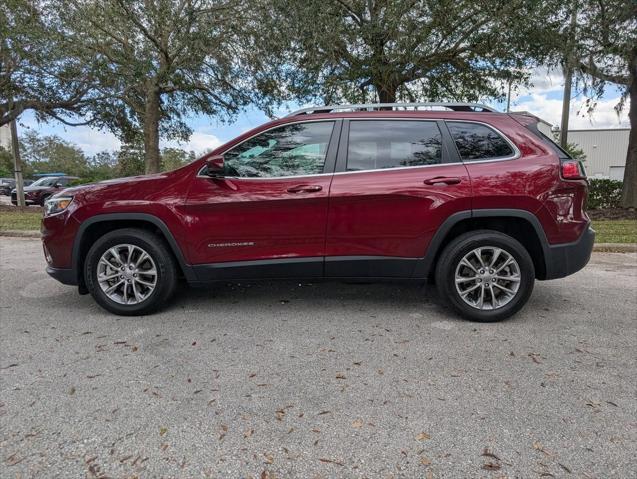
(525, 118)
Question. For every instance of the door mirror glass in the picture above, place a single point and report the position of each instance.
(215, 166)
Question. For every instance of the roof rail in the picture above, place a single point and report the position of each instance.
(475, 107)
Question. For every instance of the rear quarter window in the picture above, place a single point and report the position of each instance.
(478, 142)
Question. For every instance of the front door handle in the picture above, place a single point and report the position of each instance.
(305, 189)
(442, 180)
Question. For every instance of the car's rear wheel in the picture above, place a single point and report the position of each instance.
(130, 272)
(485, 275)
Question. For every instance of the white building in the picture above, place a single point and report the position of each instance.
(605, 149)
(5, 136)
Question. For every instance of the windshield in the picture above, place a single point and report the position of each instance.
(46, 181)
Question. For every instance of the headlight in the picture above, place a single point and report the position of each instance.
(57, 205)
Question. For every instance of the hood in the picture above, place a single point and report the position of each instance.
(107, 184)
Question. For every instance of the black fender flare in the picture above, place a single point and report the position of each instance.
(145, 217)
(426, 264)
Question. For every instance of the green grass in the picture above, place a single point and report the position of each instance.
(20, 220)
(615, 231)
(608, 231)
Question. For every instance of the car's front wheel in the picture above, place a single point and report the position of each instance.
(130, 272)
(485, 275)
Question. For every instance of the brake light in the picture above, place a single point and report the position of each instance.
(573, 170)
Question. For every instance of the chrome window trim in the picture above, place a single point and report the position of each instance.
(322, 120)
(516, 151)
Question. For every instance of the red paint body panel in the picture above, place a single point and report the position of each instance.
(392, 212)
(255, 219)
(374, 213)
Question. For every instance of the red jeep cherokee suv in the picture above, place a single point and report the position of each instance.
(477, 200)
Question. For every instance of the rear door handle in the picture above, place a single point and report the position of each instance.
(305, 189)
(442, 180)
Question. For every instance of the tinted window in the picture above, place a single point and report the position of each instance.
(478, 142)
(291, 150)
(376, 144)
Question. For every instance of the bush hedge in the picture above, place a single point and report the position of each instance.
(604, 193)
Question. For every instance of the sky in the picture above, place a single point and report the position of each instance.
(543, 99)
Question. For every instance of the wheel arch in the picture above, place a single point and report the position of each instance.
(98, 225)
(522, 225)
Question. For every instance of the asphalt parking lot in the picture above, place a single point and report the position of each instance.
(317, 380)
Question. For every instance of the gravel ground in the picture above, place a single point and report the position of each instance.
(317, 380)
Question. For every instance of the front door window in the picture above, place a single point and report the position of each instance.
(290, 150)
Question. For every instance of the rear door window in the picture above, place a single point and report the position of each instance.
(478, 142)
(380, 144)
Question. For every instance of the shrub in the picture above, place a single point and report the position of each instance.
(604, 193)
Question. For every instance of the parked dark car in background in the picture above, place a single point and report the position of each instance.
(6, 185)
(41, 190)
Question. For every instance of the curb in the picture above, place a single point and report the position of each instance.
(597, 247)
(615, 248)
(21, 233)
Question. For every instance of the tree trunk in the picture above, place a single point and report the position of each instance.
(151, 131)
(629, 189)
(386, 93)
(566, 105)
(17, 165)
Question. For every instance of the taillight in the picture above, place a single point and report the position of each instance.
(573, 170)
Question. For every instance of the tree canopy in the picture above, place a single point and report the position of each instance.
(36, 71)
(362, 50)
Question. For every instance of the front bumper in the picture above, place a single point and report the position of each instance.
(565, 259)
(64, 276)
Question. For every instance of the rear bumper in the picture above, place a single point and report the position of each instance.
(64, 276)
(565, 259)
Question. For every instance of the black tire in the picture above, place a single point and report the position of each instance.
(156, 248)
(462, 245)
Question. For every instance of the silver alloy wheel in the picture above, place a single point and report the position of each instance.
(487, 278)
(126, 274)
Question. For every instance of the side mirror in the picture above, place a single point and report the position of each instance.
(215, 167)
(58, 185)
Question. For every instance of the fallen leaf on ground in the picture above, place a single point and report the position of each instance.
(424, 461)
(357, 423)
(564, 467)
(162, 431)
(13, 459)
(248, 433)
(491, 466)
(340, 376)
(488, 453)
(537, 445)
(268, 458)
(423, 436)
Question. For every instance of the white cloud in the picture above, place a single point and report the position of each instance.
(544, 99)
(90, 140)
(544, 80)
(550, 110)
(200, 142)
